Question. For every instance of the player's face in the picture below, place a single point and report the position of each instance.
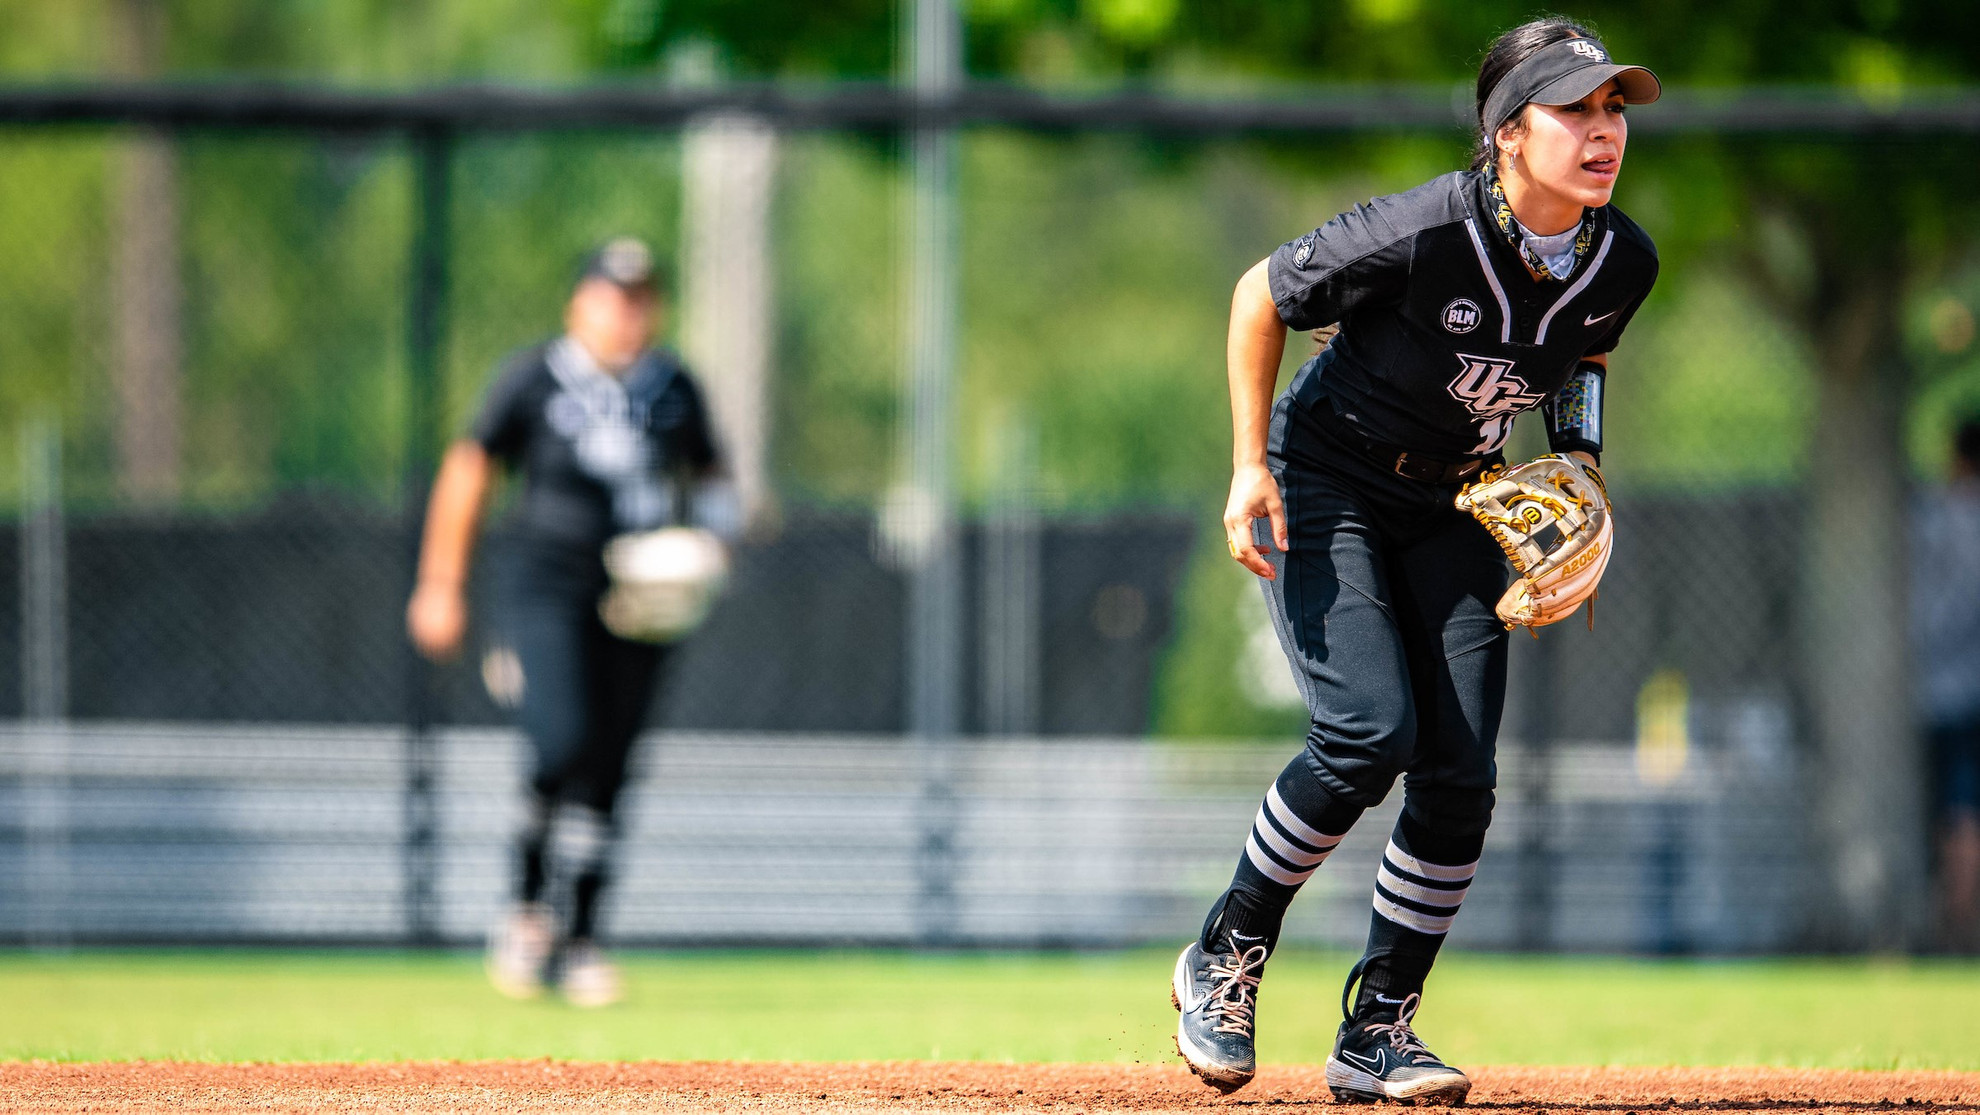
(1575, 151)
(613, 323)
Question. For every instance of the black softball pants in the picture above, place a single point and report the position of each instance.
(585, 693)
(585, 690)
(1384, 607)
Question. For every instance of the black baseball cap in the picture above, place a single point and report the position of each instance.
(624, 261)
(1563, 73)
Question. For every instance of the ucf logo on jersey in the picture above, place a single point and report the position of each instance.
(1494, 395)
(1488, 388)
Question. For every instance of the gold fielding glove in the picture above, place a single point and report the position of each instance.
(1551, 516)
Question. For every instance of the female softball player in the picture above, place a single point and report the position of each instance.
(1461, 303)
(611, 437)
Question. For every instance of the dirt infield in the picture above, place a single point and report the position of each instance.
(528, 1086)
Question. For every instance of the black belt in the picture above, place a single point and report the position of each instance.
(1396, 459)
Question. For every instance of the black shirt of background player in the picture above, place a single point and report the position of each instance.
(530, 422)
(1445, 335)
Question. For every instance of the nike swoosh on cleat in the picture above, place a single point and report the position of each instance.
(1188, 999)
(1372, 1065)
(1604, 317)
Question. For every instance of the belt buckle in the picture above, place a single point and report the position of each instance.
(1436, 471)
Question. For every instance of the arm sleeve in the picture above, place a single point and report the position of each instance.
(501, 426)
(1574, 413)
(1359, 258)
(694, 442)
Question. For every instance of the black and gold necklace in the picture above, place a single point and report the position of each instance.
(1502, 214)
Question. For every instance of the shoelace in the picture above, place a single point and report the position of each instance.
(1402, 1039)
(1234, 997)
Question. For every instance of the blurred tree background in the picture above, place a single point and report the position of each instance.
(1816, 300)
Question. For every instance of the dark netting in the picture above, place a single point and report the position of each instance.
(221, 326)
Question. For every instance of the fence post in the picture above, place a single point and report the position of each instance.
(45, 684)
(425, 325)
(1009, 584)
(935, 590)
(728, 171)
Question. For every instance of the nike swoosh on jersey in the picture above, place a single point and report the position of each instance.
(1604, 317)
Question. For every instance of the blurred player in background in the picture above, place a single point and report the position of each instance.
(608, 559)
(1946, 623)
(1461, 303)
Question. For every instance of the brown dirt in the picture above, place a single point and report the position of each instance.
(529, 1086)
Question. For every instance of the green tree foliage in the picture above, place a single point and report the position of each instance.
(1854, 43)
(826, 39)
(1096, 270)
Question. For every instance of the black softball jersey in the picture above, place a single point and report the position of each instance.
(1446, 336)
(599, 454)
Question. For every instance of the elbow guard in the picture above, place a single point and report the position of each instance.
(1574, 413)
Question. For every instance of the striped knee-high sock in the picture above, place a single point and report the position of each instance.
(1297, 826)
(1418, 895)
(581, 842)
(1418, 890)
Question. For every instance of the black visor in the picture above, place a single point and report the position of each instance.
(1562, 74)
(624, 262)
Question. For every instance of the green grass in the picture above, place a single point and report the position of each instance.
(320, 1006)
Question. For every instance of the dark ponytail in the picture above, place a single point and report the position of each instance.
(1507, 51)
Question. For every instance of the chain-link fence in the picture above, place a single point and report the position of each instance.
(243, 349)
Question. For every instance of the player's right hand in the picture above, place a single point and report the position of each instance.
(436, 620)
(1254, 495)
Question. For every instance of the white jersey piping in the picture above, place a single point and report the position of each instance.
(1580, 284)
(1498, 292)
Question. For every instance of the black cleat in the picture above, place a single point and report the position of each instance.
(1376, 1061)
(1217, 994)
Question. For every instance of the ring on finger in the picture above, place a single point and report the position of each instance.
(1232, 543)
